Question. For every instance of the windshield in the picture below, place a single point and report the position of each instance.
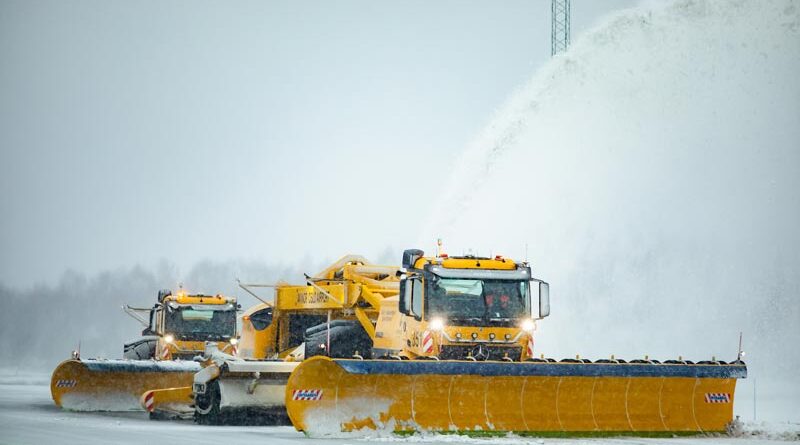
(475, 302)
(201, 323)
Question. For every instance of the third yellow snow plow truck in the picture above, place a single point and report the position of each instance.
(176, 330)
(453, 352)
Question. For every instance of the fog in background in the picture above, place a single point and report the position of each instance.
(257, 130)
(144, 146)
(652, 171)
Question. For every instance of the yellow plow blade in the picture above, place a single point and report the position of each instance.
(328, 396)
(115, 385)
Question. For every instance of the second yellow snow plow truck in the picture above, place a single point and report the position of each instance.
(176, 330)
(453, 352)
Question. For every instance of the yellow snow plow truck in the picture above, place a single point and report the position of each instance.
(176, 329)
(454, 352)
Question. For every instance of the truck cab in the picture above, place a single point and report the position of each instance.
(179, 326)
(462, 308)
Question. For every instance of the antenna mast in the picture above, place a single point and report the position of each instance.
(559, 31)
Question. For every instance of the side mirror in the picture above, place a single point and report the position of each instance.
(544, 299)
(410, 256)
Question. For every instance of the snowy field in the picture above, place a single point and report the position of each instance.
(28, 416)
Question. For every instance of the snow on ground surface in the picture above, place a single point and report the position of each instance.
(28, 416)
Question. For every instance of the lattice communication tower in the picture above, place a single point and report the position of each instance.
(560, 26)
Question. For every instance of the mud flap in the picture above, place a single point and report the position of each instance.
(332, 395)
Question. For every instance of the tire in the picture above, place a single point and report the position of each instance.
(206, 406)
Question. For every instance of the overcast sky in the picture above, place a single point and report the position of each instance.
(132, 132)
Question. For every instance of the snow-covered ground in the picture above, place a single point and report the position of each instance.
(28, 416)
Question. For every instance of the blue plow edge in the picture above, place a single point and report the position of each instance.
(735, 371)
(141, 366)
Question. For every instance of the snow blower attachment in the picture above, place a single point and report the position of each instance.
(176, 330)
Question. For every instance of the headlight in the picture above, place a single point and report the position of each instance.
(437, 324)
(234, 341)
(169, 338)
(528, 325)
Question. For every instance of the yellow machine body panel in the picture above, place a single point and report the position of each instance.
(257, 341)
(115, 385)
(389, 327)
(322, 296)
(325, 395)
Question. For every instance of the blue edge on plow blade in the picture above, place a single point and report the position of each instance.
(141, 366)
(735, 371)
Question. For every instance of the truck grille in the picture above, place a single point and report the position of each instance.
(480, 352)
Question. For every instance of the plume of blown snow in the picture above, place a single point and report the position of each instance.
(653, 171)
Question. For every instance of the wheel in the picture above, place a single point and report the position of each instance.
(206, 406)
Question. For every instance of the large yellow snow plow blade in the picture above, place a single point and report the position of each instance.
(327, 396)
(115, 385)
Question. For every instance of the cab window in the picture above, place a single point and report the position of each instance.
(416, 297)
